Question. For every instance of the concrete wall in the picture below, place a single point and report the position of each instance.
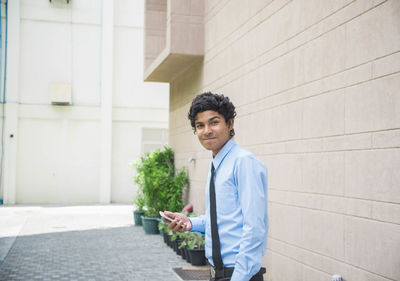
(156, 31)
(174, 37)
(316, 86)
(59, 150)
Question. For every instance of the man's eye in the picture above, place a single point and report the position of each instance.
(199, 126)
(214, 122)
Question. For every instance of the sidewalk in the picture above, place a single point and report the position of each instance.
(97, 242)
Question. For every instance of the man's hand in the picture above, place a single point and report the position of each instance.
(180, 222)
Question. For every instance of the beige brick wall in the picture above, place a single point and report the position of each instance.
(155, 22)
(316, 84)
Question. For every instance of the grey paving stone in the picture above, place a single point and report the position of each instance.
(107, 253)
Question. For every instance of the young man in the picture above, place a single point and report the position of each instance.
(236, 220)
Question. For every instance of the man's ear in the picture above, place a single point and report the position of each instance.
(230, 124)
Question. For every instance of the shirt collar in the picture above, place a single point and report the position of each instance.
(223, 152)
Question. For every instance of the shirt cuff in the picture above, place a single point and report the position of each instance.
(197, 224)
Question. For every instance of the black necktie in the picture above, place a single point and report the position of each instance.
(216, 249)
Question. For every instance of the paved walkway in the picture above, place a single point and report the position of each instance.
(96, 242)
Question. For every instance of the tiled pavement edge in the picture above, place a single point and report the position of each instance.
(81, 243)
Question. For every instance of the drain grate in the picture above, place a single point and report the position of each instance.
(193, 273)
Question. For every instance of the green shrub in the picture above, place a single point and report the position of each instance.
(140, 200)
(159, 182)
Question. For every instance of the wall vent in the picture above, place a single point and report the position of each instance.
(67, 1)
(60, 94)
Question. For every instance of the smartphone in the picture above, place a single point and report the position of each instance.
(165, 216)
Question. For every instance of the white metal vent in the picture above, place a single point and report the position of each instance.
(60, 94)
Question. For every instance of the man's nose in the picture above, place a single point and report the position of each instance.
(207, 129)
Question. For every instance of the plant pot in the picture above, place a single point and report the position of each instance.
(168, 240)
(183, 253)
(137, 217)
(178, 243)
(171, 243)
(150, 225)
(197, 257)
(165, 237)
(187, 255)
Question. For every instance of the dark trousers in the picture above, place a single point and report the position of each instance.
(257, 277)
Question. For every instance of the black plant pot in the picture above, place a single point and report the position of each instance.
(178, 243)
(165, 237)
(187, 255)
(197, 257)
(169, 242)
(183, 253)
(175, 247)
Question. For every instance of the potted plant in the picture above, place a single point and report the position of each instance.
(186, 236)
(177, 238)
(169, 235)
(150, 222)
(139, 212)
(183, 249)
(195, 244)
(183, 246)
(175, 241)
(163, 228)
(160, 183)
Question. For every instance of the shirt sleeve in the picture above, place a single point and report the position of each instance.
(251, 177)
(198, 224)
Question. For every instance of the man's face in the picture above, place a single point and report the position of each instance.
(212, 130)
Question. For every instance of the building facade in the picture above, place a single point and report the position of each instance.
(76, 110)
(316, 87)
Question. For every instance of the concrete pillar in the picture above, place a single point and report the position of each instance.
(106, 99)
(11, 106)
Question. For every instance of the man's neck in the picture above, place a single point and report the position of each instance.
(214, 154)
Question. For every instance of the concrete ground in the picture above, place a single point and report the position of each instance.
(97, 242)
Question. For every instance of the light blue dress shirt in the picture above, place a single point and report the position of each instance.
(241, 199)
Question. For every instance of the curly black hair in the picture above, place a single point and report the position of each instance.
(210, 101)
